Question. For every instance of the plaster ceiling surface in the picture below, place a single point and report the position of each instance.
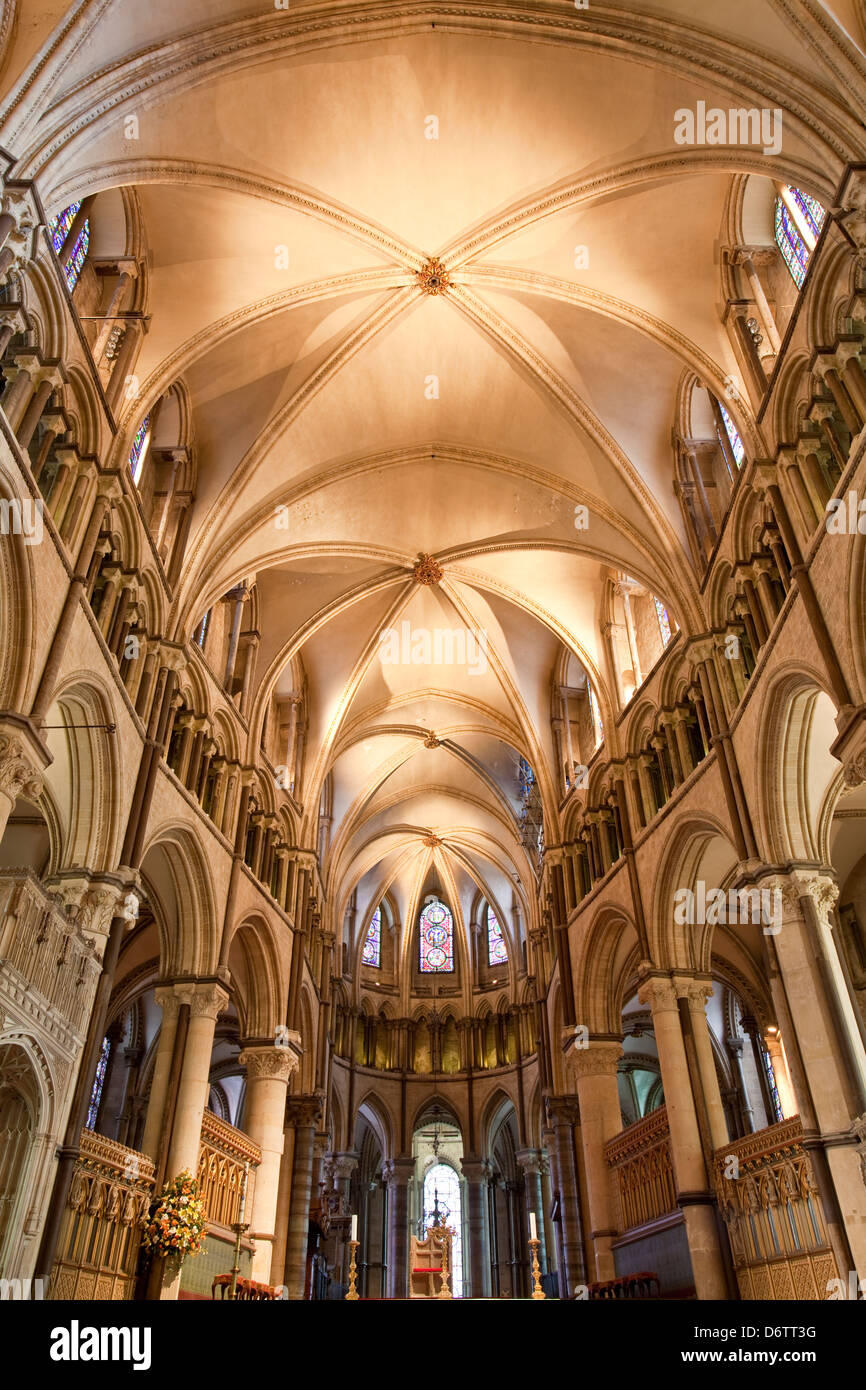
(393, 423)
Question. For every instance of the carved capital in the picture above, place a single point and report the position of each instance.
(268, 1063)
(658, 991)
(304, 1112)
(18, 776)
(208, 1001)
(398, 1172)
(599, 1059)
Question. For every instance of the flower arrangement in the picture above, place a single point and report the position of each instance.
(175, 1224)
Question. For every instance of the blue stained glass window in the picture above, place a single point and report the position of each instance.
(201, 631)
(497, 952)
(72, 268)
(791, 244)
(372, 953)
(771, 1082)
(99, 1082)
(437, 939)
(737, 446)
(137, 451)
(59, 226)
(813, 211)
(664, 620)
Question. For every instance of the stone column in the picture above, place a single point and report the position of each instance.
(240, 596)
(564, 1114)
(696, 993)
(169, 1001)
(303, 1113)
(595, 1071)
(268, 1070)
(343, 1166)
(827, 1035)
(690, 1174)
(476, 1172)
(531, 1163)
(398, 1173)
(206, 1003)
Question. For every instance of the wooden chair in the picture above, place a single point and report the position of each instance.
(430, 1264)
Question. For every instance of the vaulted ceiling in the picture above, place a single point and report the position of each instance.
(290, 192)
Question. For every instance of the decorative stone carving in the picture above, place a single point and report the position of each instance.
(433, 277)
(658, 991)
(18, 776)
(599, 1059)
(276, 1063)
(431, 741)
(427, 570)
(304, 1112)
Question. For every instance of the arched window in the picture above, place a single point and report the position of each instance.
(201, 631)
(595, 715)
(437, 939)
(99, 1082)
(497, 953)
(74, 262)
(798, 222)
(372, 953)
(442, 1200)
(59, 226)
(664, 620)
(139, 449)
(736, 443)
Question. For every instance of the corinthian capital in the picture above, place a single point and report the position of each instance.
(268, 1063)
(658, 991)
(18, 776)
(598, 1059)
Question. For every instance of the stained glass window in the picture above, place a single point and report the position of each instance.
(813, 212)
(771, 1082)
(737, 447)
(201, 631)
(437, 939)
(372, 953)
(59, 226)
(99, 1082)
(664, 620)
(442, 1190)
(497, 953)
(136, 453)
(72, 268)
(791, 243)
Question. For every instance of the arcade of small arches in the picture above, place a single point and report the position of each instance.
(387, 940)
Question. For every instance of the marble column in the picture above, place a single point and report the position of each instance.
(690, 1174)
(206, 1003)
(531, 1164)
(398, 1173)
(303, 1113)
(595, 1072)
(170, 1002)
(476, 1172)
(696, 993)
(829, 1041)
(564, 1114)
(268, 1070)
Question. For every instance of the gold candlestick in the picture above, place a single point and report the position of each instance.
(353, 1294)
(537, 1290)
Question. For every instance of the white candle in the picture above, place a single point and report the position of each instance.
(354, 1228)
(532, 1227)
